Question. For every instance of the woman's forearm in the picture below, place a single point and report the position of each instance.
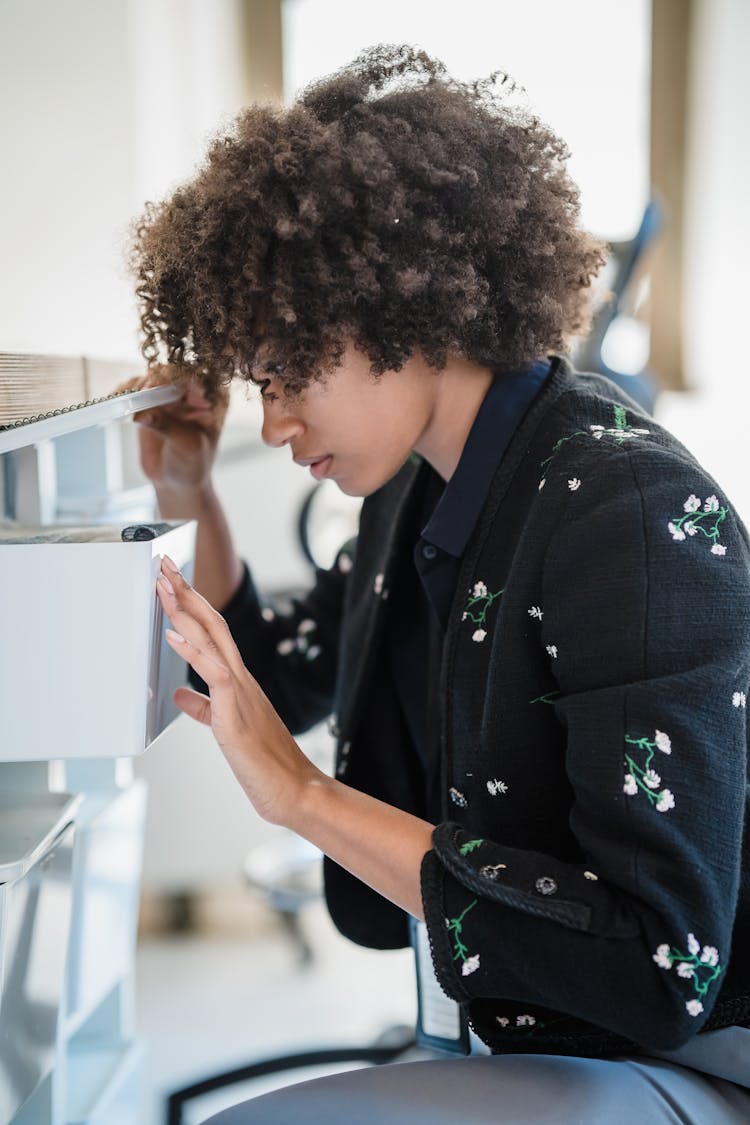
(218, 569)
(379, 844)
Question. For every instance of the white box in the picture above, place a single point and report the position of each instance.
(85, 669)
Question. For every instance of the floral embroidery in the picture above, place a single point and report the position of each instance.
(492, 870)
(460, 951)
(739, 699)
(590, 875)
(696, 522)
(701, 966)
(536, 611)
(525, 1021)
(496, 788)
(476, 608)
(457, 797)
(542, 483)
(470, 846)
(574, 484)
(552, 650)
(267, 613)
(643, 776)
(345, 563)
(620, 431)
(300, 647)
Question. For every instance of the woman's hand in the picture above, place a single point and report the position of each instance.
(178, 441)
(261, 752)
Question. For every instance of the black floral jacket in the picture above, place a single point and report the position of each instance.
(588, 891)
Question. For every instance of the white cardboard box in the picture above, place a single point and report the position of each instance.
(85, 669)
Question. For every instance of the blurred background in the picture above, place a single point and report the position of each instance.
(105, 104)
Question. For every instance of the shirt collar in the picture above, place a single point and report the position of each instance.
(507, 399)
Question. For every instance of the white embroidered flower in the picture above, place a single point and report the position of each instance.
(313, 652)
(692, 504)
(690, 527)
(718, 549)
(552, 650)
(502, 1020)
(596, 431)
(663, 741)
(496, 787)
(662, 957)
(478, 635)
(267, 613)
(694, 1007)
(574, 484)
(480, 590)
(710, 955)
(693, 945)
(739, 699)
(457, 797)
(286, 646)
(630, 787)
(491, 870)
(378, 584)
(542, 483)
(652, 779)
(711, 504)
(470, 965)
(345, 563)
(590, 875)
(685, 969)
(665, 802)
(464, 616)
(677, 533)
(525, 1021)
(536, 611)
(306, 626)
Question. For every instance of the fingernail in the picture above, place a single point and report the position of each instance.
(169, 564)
(175, 636)
(166, 583)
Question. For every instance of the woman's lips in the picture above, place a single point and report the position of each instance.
(319, 469)
(318, 466)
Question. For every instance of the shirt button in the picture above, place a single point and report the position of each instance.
(429, 551)
(546, 885)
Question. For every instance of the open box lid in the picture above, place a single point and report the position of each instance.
(28, 826)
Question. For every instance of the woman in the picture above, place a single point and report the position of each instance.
(537, 653)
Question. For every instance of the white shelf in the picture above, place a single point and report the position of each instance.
(98, 414)
(97, 1078)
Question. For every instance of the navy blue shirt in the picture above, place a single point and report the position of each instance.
(444, 517)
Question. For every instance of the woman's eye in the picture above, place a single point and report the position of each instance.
(269, 396)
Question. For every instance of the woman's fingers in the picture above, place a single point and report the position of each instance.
(214, 673)
(198, 622)
(194, 704)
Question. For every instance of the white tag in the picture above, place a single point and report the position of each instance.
(440, 1017)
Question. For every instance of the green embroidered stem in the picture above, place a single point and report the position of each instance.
(708, 972)
(455, 926)
(469, 846)
(696, 526)
(641, 776)
(621, 418)
(549, 697)
(474, 600)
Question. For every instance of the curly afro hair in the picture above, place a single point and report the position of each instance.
(389, 205)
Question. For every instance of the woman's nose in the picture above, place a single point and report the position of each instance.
(280, 425)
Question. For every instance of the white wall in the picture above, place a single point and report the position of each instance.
(103, 104)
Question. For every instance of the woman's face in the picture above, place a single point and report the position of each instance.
(354, 428)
